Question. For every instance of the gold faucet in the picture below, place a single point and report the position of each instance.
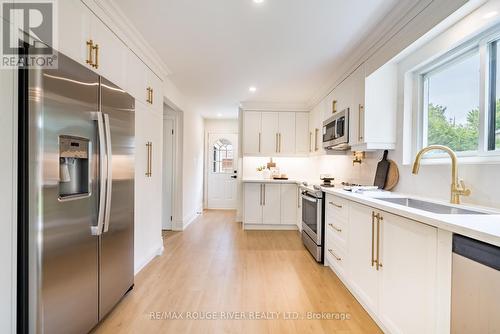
(457, 186)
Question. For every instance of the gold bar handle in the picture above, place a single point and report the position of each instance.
(335, 205)
(149, 147)
(96, 49)
(151, 92)
(148, 97)
(310, 141)
(276, 143)
(90, 47)
(373, 238)
(360, 119)
(279, 142)
(334, 255)
(334, 106)
(316, 132)
(335, 228)
(260, 135)
(379, 219)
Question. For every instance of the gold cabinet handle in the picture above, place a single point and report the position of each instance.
(148, 96)
(276, 143)
(335, 205)
(334, 106)
(96, 50)
(335, 228)
(373, 238)
(149, 168)
(360, 119)
(316, 132)
(338, 258)
(90, 48)
(151, 92)
(379, 263)
(279, 142)
(260, 135)
(310, 141)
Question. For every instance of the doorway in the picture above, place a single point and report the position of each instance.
(168, 172)
(222, 171)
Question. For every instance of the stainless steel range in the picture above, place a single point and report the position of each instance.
(313, 217)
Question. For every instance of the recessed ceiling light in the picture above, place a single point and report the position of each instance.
(490, 15)
(252, 89)
(219, 115)
(258, 1)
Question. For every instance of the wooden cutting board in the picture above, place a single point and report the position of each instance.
(392, 176)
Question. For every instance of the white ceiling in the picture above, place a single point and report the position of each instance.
(217, 49)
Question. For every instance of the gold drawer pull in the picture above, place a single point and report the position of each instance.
(335, 205)
(335, 228)
(335, 256)
(96, 49)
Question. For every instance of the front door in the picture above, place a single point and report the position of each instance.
(222, 171)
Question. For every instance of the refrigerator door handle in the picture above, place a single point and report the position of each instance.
(109, 176)
(97, 229)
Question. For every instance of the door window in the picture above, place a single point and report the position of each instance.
(222, 157)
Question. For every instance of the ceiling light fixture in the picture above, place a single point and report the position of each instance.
(219, 115)
(490, 15)
(258, 1)
(252, 89)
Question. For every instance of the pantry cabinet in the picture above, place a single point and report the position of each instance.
(392, 264)
(270, 204)
(148, 178)
(270, 133)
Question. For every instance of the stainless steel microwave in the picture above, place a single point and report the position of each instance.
(336, 131)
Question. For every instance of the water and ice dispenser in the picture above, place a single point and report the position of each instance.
(74, 169)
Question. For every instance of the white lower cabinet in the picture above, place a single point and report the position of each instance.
(401, 291)
(270, 204)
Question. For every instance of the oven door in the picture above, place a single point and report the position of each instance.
(311, 217)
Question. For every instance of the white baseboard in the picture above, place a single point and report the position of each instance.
(270, 227)
(178, 225)
(158, 251)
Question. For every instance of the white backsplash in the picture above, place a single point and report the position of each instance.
(309, 168)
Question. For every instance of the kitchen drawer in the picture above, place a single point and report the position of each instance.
(336, 257)
(337, 207)
(338, 229)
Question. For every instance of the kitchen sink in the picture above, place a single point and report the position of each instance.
(430, 206)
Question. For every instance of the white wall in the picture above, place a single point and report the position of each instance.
(216, 126)
(192, 166)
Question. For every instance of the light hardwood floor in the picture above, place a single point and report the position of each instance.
(215, 266)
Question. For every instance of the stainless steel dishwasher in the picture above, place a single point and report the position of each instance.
(475, 292)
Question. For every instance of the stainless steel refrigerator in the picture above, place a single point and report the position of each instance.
(76, 198)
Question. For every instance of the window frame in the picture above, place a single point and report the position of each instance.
(482, 45)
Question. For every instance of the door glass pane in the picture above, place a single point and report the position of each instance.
(451, 99)
(494, 109)
(222, 156)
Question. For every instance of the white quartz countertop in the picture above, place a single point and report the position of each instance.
(484, 227)
(270, 181)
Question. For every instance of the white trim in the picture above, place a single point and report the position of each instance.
(156, 252)
(269, 106)
(266, 227)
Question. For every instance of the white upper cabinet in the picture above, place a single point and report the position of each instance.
(252, 135)
(374, 106)
(275, 133)
(269, 130)
(75, 17)
(286, 133)
(302, 138)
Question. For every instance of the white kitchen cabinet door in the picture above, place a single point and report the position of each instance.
(364, 277)
(289, 204)
(156, 85)
(136, 77)
(269, 136)
(286, 138)
(74, 32)
(271, 213)
(253, 203)
(252, 132)
(408, 295)
(112, 55)
(302, 138)
(357, 111)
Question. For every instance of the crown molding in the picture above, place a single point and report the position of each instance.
(392, 23)
(274, 106)
(119, 23)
